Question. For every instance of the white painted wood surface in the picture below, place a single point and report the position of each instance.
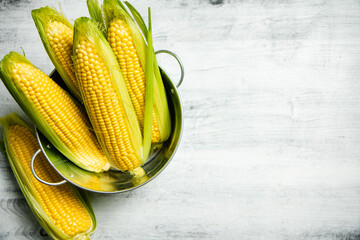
(271, 142)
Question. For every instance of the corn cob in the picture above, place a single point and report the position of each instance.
(129, 48)
(63, 211)
(55, 113)
(56, 34)
(105, 96)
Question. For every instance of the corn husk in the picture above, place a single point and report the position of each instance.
(42, 18)
(155, 92)
(25, 180)
(6, 75)
(86, 29)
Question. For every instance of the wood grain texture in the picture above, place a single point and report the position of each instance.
(270, 148)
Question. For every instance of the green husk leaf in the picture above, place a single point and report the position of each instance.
(138, 18)
(160, 101)
(25, 183)
(23, 52)
(42, 17)
(6, 75)
(161, 106)
(87, 29)
(123, 7)
(96, 14)
(149, 93)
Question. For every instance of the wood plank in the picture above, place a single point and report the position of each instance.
(271, 123)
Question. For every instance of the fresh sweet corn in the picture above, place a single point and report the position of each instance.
(63, 211)
(56, 114)
(105, 96)
(56, 34)
(129, 48)
(120, 39)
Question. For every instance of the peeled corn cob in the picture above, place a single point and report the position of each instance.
(55, 113)
(63, 211)
(56, 34)
(105, 96)
(129, 47)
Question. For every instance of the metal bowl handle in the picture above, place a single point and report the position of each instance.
(37, 177)
(180, 63)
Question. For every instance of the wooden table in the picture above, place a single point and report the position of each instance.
(271, 141)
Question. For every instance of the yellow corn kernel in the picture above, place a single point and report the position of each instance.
(56, 34)
(122, 44)
(61, 41)
(104, 106)
(61, 204)
(56, 114)
(68, 121)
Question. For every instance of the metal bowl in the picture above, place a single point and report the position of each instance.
(116, 181)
